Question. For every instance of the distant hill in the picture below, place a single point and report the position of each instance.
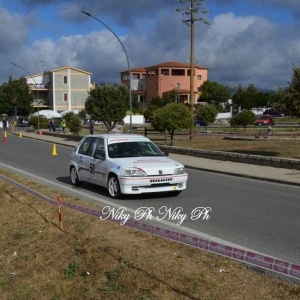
(233, 90)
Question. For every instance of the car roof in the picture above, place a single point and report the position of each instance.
(118, 135)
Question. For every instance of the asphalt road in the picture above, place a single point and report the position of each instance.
(251, 214)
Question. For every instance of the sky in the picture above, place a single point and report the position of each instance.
(246, 42)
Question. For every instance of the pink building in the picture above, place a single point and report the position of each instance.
(149, 82)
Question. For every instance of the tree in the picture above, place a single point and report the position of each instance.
(206, 113)
(157, 101)
(82, 114)
(74, 124)
(134, 97)
(68, 116)
(245, 98)
(251, 89)
(264, 100)
(288, 98)
(16, 93)
(251, 97)
(214, 92)
(170, 97)
(246, 117)
(237, 98)
(172, 117)
(108, 104)
(149, 111)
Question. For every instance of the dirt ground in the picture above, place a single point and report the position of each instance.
(97, 259)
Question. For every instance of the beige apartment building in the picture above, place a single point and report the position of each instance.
(149, 82)
(67, 88)
(60, 89)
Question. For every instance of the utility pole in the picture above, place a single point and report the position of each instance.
(191, 11)
(192, 66)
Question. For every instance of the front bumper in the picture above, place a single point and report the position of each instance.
(153, 184)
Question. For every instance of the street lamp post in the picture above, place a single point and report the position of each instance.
(130, 99)
(37, 90)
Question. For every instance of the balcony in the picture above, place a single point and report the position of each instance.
(41, 103)
(39, 86)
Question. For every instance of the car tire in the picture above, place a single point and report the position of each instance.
(175, 193)
(114, 187)
(74, 177)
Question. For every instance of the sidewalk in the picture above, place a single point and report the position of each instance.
(279, 175)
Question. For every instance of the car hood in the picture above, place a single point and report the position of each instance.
(155, 165)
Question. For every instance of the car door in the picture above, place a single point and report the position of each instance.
(83, 158)
(95, 162)
(100, 163)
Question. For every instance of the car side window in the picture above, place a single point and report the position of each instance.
(99, 149)
(86, 145)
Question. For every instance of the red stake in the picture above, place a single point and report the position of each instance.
(59, 213)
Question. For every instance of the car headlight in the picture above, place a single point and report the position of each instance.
(135, 173)
(178, 171)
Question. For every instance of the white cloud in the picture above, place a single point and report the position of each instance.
(237, 49)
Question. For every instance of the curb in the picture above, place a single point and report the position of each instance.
(235, 157)
(244, 175)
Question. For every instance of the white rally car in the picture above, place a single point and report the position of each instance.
(125, 164)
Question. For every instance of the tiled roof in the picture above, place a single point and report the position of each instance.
(138, 69)
(169, 64)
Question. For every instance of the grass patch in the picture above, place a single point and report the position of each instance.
(38, 261)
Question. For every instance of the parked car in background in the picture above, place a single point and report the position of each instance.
(98, 122)
(199, 123)
(265, 120)
(125, 164)
(22, 122)
(274, 113)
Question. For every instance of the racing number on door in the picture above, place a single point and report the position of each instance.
(92, 168)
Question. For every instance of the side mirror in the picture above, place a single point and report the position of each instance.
(100, 154)
(166, 154)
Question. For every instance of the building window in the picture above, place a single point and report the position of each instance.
(199, 77)
(65, 96)
(65, 79)
(177, 85)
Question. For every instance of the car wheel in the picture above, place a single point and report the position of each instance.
(114, 187)
(74, 177)
(175, 193)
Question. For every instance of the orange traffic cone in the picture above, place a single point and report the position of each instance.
(54, 150)
(4, 137)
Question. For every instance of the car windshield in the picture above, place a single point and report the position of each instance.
(263, 118)
(133, 149)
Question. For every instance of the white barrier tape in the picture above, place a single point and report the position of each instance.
(271, 264)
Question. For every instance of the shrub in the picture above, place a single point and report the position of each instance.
(74, 124)
(33, 121)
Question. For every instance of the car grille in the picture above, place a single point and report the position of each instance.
(161, 180)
